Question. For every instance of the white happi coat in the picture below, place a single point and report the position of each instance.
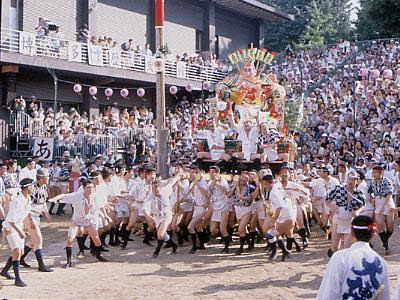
(354, 273)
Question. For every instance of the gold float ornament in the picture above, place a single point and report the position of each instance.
(251, 91)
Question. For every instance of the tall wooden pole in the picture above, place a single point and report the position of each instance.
(162, 131)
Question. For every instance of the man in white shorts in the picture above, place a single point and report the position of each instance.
(85, 217)
(283, 218)
(157, 207)
(381, 191)
(198, 193)
(218, 188)
(19, 210)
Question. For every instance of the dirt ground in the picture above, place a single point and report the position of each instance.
(134, 274)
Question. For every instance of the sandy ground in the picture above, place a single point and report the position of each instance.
(134, 274)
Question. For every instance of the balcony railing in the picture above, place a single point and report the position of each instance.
(30, 44)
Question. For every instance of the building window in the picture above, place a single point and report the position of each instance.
(198, 41)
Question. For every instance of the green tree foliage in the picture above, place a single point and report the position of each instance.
(282, 33)
(316, 22)
(378, 18)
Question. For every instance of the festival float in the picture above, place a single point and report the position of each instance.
(251, 93)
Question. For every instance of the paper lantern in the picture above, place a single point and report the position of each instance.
(124, 93)
(77, 88)
(140, 92)
(388, 74)
(375, 74)
(108, 92)
(93, 91)
(189, 88)
(206, 85)
(364, 72)
(173, 90)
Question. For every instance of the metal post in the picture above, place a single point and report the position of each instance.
(162, 131)
(55, 94)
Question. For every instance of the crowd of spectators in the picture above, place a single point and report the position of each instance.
(352, 117)
(348, 117)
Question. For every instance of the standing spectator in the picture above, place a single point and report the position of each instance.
(83, 34)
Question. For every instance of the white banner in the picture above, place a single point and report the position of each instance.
(114, 58)
(43, 147)
(181, 69)
(95, 55)
(149, 64)
(75, 51)
(27, 43)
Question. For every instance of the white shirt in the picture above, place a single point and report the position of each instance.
(77, 201)
(140, 191)
(348, 268)
(174, 195)
(17, 212)
(197, 197)
(26, 173)
(215, 138)
(218, 198)
(321, 187)
(102, 194)
(279, 199)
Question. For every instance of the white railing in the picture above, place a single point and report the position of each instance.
(30, 44)
(25, 126)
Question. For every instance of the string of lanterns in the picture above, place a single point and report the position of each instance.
(140, 92)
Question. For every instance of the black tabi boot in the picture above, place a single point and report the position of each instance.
(79, 240)
(302, 233)
(124, 231)
(180, 237)
(18, 281)
(289, 243)
(306, 223)
(85, 236)
(285, 252)
(330, 252)
(158, 248)
(113, 235)
(201, 236)
(194, 244)
(226, 243)
(68, 251)
(125, 236)
(60, 209)
(207, 234)
(252, 240)
(172, 244)
(1, 225)
(388, 234)
(170, 233)
(242, 241)
(296, 243)
(39, 257)
(272, 247)
(6, 268)
(117, 235)
(51, 208)
(98, 254)
(147, 234)
(103, 237)
(92, 248)
(22, 259)
(185, 232)
(382, 235)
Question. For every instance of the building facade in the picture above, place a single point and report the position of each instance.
(196, 26)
